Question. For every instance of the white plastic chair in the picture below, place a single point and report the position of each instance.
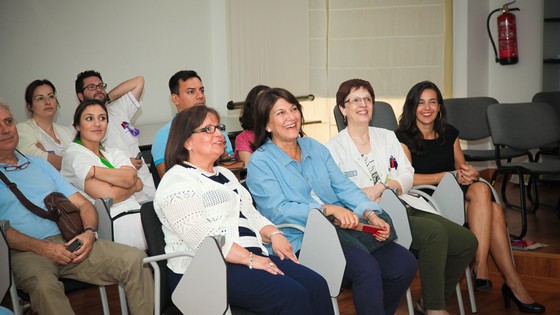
(448, 200)
(5, 270)
(320, 245)
(394, 207)
(105, 232)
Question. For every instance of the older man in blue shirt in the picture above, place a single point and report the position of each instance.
(39, 254)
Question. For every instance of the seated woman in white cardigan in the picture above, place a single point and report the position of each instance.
(40, 135)
(100, 172)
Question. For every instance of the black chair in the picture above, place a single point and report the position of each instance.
(468, 115)
(156, 246)
(383, 117)
(524, 126)
(148, 158)
(552, 99)
(155, 240)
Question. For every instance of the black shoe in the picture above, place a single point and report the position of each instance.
(419, 307)
(482, 285)
(534, 308)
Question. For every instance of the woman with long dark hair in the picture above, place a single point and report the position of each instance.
(432, 146)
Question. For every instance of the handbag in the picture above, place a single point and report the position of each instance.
(59, 210)
(364, 240)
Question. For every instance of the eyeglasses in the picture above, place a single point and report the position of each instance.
(93, 87)
(11, 168)
(358, 100)
(41, 98)
(211, 129)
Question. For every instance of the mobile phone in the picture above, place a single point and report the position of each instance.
(139, 155)
(74, 246)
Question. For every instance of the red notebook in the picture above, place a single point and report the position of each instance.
(368, 228)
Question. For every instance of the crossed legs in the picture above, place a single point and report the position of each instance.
(487, 222)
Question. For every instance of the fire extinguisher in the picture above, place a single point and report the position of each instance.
(507, 35)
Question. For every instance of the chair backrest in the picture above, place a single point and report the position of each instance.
(148, 158)
(320, 245)
(450, 199)
(468, 115)
(383, 117)
(105, 223)
(394, 207)
(551, 98)
(156, 246)
(523, 126)
(203, 287)
(5, 273)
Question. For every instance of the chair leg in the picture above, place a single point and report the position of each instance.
(504, 185)
(409, 302)
(460, 299)
(523, 208)
(335, 305)
(15, 299)
(122, 298)
(470, 288)
(104, 301)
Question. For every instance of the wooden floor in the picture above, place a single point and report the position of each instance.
(539, 269)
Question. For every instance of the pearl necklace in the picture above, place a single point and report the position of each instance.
(204, 172)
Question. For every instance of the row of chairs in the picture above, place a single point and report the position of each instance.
(202, 288)
(515, 129)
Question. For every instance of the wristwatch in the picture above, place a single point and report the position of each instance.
(90, 228)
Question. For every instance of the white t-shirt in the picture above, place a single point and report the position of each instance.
(77, 162)
(121, 111)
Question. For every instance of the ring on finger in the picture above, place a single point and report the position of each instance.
(270, 265)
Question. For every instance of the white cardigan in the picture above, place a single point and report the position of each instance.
(384, 144)
(192, 207)
(30, 134)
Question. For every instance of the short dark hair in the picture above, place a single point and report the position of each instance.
(182, 75)
(182, 127)
(31, 88)
(79, 84)
(246, 118)
(263, 105)
(80, 109)
(407, 121)
(346, 87)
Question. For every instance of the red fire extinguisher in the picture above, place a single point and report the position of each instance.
(507, 35)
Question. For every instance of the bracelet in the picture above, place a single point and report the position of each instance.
(92, 177)
(369, 215)
(250, 260)
(274, 233)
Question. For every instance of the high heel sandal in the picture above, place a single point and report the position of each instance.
(419, 307)
(533, 308)
(482, 285)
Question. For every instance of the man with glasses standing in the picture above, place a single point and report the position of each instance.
(40, 255)
(122, 103)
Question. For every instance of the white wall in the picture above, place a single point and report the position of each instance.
(476, 73)
(57, 39)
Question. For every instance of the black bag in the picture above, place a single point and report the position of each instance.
(363, 240)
